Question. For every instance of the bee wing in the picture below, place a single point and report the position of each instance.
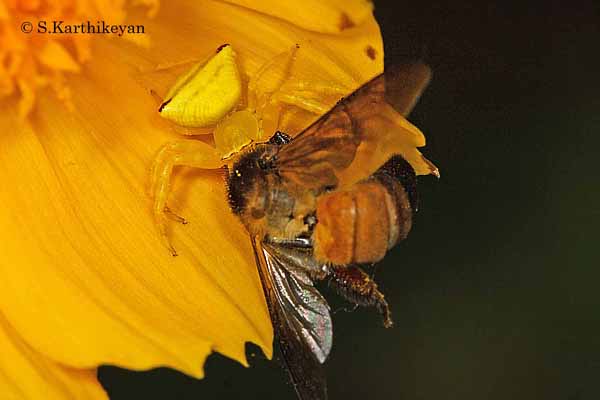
(404, 84)
(360, 133)
(301, 320)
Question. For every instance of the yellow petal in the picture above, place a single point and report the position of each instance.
(176, 37)
(76, 218)
(39, 57)
(90, 268)
(27, 99)
(341, 59)
(26, 374)
(85, 279)
(53, 55)
(319, 16)
(3, 12)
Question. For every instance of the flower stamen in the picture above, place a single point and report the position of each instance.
(31, 59)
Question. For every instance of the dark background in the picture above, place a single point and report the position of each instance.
(496, 291)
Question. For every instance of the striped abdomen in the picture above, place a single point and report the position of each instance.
(361, 224)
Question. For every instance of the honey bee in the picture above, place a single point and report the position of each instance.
(318, 206)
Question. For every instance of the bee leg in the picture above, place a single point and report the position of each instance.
(191, 153)
(353, 284)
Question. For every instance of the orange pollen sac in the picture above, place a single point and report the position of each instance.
(31, 58)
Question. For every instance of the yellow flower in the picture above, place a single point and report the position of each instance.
(84, 277)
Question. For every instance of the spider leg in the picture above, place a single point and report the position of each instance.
(316, 88)
(257, 98)
(314, 97)
(297, 99)
(190, 153)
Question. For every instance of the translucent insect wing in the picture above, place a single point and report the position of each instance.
(361, 133)
(404, 84)
(301, 320)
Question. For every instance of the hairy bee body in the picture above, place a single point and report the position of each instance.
(263, 204)
(339, 194)
(355, 225)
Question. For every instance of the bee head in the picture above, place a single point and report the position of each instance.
(246, 179)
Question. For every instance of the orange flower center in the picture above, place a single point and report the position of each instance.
(31, 57)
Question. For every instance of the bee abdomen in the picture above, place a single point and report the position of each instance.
(359, 225)
(401, 171)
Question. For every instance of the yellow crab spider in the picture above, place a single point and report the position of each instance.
(206, 96)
